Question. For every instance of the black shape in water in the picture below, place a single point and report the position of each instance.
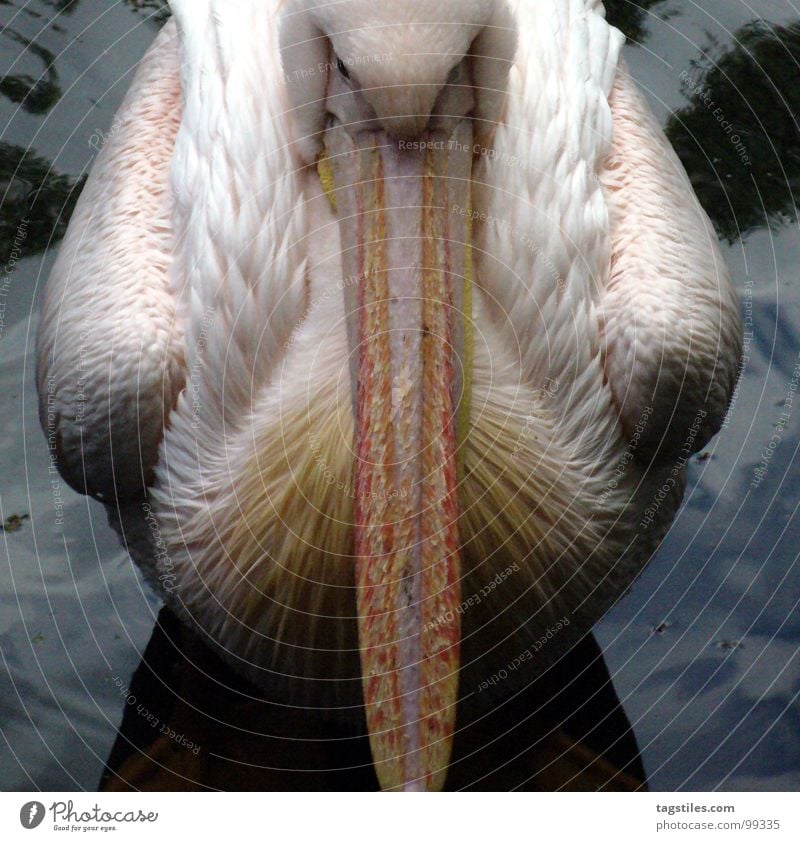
(630, 17)
(37, 202)
(739, 139)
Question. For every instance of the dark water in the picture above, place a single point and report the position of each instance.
(704, 650)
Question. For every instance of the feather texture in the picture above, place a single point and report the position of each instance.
(589, 242)
(110, 351)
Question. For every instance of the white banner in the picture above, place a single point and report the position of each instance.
(352, 817)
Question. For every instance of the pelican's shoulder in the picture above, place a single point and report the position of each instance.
(109, 363)
(670, 316)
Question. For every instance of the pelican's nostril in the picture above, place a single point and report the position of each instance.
(404, 110)
(406, 127)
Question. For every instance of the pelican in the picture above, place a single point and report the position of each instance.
(385, 332)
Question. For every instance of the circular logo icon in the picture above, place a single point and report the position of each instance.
(31, 814)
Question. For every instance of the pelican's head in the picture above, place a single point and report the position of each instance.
(391, 100)
(400, 65)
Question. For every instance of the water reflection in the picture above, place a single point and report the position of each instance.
(36, 96)
(739, 139)
(630, 17)
(34, 194)
(30, 186)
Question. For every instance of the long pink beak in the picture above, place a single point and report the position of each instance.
(403, 210)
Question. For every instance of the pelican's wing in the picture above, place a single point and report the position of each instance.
(240, 204)
(610, 269)
(543, 243)
(669, 313)
(109, 352)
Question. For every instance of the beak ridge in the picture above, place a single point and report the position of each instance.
(400, 240)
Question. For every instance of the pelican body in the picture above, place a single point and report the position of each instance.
(385, 332)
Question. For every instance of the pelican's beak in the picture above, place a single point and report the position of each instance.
(404, 212)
